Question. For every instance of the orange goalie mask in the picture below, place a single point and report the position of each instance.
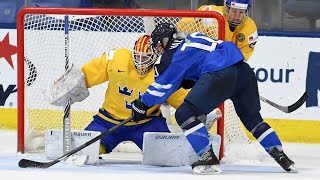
(143, 55)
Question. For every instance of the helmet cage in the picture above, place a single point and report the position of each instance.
(143, 61)
(143, 55)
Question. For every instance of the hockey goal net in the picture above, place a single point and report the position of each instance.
(41, 59)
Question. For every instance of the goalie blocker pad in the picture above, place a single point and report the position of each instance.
(172, 149)
(54, 145)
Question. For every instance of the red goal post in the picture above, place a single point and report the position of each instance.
(93, 31)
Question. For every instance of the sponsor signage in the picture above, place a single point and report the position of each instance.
(285, 68)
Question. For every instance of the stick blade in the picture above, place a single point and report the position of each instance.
(299, 103)
(25, 163)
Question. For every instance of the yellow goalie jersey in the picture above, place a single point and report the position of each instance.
(244, 36)
(125, 85)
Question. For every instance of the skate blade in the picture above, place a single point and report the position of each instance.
(207, 169)
(292, 169)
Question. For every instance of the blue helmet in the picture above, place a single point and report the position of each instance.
(238, 4)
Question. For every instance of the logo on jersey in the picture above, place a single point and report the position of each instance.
(253, 37)
(129, 104)
(252, 45)
(240, 37)
(125, 91)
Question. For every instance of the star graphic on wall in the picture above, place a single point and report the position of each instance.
(7, 50)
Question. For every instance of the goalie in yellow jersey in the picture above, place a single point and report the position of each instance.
(239, 27)
(129, 74)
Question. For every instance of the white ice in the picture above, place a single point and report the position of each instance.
(251, 163)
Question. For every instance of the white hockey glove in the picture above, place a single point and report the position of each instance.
(71, 86)
(212, 117)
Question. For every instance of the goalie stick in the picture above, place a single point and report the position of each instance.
(25, 163)
(66, 109)
(287, 109)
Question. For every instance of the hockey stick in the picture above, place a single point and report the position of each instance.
(25, 163)
(66, 109)
(287, 109)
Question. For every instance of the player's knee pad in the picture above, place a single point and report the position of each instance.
(186, 116)
(266, 136)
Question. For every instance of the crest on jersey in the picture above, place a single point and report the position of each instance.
(240, 37)
(125, 90)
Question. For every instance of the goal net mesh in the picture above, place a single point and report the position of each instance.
(90, 35)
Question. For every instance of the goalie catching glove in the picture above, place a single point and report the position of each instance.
(70, 85)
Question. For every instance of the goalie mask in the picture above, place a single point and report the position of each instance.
(237, 11)
(143, 55)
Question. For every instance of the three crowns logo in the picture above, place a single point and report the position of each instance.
(125, 91)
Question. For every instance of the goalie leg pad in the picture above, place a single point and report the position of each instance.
(171, 149)
(157, 124)
(54, 147)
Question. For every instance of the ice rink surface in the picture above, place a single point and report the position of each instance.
(246, 163)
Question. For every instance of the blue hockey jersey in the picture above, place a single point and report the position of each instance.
(189, 59)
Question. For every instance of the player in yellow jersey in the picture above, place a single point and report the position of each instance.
(239, 27)
(129, 74)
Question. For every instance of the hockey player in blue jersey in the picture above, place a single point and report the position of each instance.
(218, 71)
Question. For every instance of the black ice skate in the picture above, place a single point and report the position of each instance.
(282, 160)
(207, 164)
